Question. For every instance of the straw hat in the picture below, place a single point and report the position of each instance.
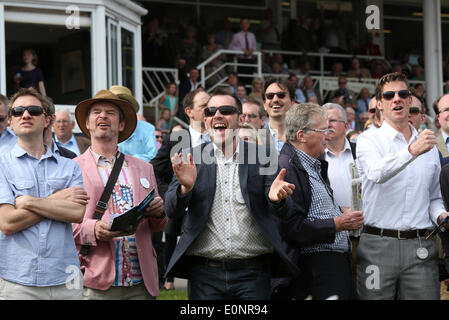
(126, 94)
(107, 96)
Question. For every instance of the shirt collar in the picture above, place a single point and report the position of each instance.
(220, 156)
(392, 133)
(72, 140)
(7, 132)
(195, 135)
(307, 159)
(102, 159)
(346, 148)
(17, 151)
(445, 136)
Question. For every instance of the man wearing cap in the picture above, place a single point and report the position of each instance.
(41, 194)
(142, 143)
(115, 267)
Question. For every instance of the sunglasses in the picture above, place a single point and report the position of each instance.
(372, 110)
(224, 110)
(389, 95)
(158, 137)
(32, 110)
(281, 95)
(414, 110)
(2, 119)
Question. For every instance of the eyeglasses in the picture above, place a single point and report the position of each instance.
(389, 95)
(62, 121)
(250, 115)
(323, 131)
(335, 120)
(415, 110)
(224, 110)
(372, 110)
(281, 95)
(32, 110)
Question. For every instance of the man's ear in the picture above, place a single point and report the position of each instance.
(300, 136)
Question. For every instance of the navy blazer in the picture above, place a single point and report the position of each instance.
(199, 200)
(296, 230)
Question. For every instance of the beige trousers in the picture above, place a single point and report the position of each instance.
(14, 291)
(137, 292)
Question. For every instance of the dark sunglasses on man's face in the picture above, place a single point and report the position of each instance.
(414, 111)
(281, 95)
(224, 110)
(389, 95)
(32, 110)
(372, 110)
(2, 119)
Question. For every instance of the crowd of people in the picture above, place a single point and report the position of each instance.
(261, 197)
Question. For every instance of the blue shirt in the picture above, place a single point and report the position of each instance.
(278, 142)
(72, 145)
(7, 141)
(142, 143)
(299, 96)
(39, 255)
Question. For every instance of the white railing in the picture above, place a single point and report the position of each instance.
(233, 62)
(154, 81)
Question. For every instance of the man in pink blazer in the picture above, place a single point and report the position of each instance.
(116, 266)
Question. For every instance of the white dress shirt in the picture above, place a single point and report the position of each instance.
(399, 191)
(340, 175)
(197, 137)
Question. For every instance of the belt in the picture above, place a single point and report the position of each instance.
(234, 264)
(399, 234)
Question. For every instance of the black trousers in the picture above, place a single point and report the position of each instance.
(324, 274)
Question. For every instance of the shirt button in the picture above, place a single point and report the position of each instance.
(43, 235)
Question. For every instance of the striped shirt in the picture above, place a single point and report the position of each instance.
(322, 206)
(127, 268)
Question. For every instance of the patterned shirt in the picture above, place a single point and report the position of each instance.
(231, 232)
(322, 206)
(127, 268)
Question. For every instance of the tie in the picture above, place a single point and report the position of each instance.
(246, 41)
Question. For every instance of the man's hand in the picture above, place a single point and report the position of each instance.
(441, 218)
(20, 202)
(426, 140)
(280, 189)
(156, 208)
(75, 194)
(349, 220)
(185, 172)
(103, 233)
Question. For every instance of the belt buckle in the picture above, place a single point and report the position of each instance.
(399, 236)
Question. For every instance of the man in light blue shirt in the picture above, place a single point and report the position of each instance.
(41, 194)
(7, 137)
(142, 143)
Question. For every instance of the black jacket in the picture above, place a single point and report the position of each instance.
(254, 187)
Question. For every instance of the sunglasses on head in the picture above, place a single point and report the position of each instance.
(281, 95)
(224, 110)
(389, 95)
(415, 110)
(32, 110)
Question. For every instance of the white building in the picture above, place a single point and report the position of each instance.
(83, 45)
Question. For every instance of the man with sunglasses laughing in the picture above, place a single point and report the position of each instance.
(401, 200)
(41, 194)
(230, 245)
(278, 98)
